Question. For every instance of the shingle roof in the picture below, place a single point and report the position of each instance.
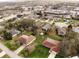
(52, 44)
(26, 39)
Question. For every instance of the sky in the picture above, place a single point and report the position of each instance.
(32, 0)
(11, 0)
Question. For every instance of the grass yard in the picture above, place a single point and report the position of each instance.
(27, 33)
(40, 39)
(23, 53)
(11, 44)
(56, 37)
(40, 52)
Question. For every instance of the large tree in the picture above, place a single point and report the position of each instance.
(70, 44)
(7, 35)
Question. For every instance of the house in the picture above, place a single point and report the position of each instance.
(67, 16)
(46, 27)
(53, 45)
(75, 29)
(61, 28)
(76, 9)
(24, 39)
(75, 15)
(39, 24)
(14, 32)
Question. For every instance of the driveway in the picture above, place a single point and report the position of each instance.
(52, 54)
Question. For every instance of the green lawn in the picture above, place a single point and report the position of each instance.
(40, 39)
(56, 37)
(40, 52)
(11, 44)
(27, 33)
(23, 53)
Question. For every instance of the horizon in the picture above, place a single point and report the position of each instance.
(38, 0)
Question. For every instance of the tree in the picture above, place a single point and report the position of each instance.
(34, 30)
(24, 24)
(70, 44)
(7, 35)
(9, 25)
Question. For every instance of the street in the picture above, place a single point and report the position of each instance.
(8, 52)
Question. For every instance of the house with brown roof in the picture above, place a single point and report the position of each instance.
(53, 45)
(24, 39)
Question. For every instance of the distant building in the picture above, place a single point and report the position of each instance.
(38, 8)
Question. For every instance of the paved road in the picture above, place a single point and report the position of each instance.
(8, 52)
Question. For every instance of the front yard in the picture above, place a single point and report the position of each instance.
(11, 44)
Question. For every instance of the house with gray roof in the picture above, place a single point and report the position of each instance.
(46, 27)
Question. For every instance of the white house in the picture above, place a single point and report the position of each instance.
(76, 29)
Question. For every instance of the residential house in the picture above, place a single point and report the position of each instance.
(24, 39)
(14, 32)
(46, 27)
(61, 28)
(53, 45)
(75, 14)
(75, 29)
